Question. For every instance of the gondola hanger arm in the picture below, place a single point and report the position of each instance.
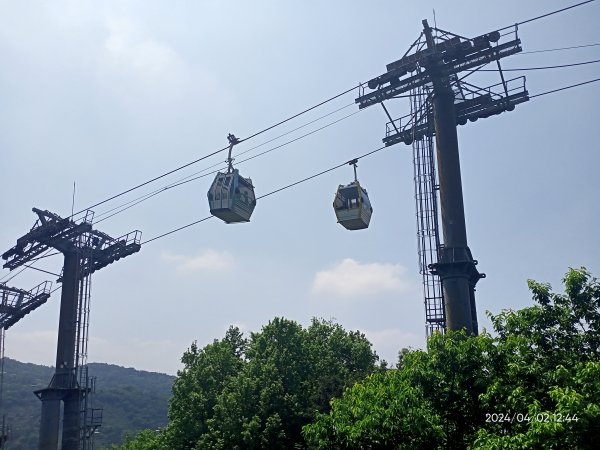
(232, 141)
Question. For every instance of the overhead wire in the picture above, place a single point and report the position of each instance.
(545, 15)
(26, 266)
(216, 151)
(564, 88)
(193, 177)
(188, 179)
(271, 193)
(41, 270)
(543, 67)
(289, 119)
(303, 112)
(44, 256)
(14, 275)
(330, 170)
(557, 49)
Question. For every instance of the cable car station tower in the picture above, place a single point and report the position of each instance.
(441, 100)
(85, 251)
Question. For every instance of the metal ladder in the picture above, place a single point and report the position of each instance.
(426, 199)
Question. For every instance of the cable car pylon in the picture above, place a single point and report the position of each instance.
(85, 251)
(430, 76)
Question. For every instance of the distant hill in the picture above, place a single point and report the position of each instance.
(131, 399)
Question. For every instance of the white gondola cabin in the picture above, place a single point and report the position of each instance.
(352, 206)
(231, 197)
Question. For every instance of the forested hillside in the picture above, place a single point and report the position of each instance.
(131, 400)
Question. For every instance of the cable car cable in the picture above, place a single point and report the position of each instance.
(303, 112)
(188, 179)
(557, 49)
(149, 196)
(542, 68)
(41, 270)
(216, 152)
(338, 166)
(176, 230)
(44, 256)
(293, 184)
(546, 15)
(296, 129)
(13, 275)
(178, 182)
(563, 88)
(272, 192)
(301, 137)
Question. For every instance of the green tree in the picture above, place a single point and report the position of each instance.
(536, 384)
(206, 371)
(144, 440)
(290, 375)
(547, 367)
(430, 402)
(258, 394)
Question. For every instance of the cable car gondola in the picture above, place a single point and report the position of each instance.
(231, 197)
(352, 205)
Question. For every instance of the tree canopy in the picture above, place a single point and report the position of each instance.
(533, 383)
(257, 393)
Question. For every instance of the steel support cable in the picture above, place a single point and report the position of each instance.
(557, 49)
(296, 129)
(543, 67)
(272, 192)
(186, 180)
(565, 87)
(41, 270)
(14, 275)
(44, 256)
(303, 112)
(546, 15)
(146, 196)
(137, 201)
(151, 181)
(341, 165)
(216, 151)
(9, 274)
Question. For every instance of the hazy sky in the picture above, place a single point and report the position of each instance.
(110, 94)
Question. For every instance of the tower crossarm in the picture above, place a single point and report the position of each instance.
(111, 251)
(50, 230)
(449, 57)
(478, 103)
(98, 250)
(17, 303)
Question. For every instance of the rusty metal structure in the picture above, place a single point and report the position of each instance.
(440, 98)
(85, 251)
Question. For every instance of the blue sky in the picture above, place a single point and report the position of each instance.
(111, 94)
